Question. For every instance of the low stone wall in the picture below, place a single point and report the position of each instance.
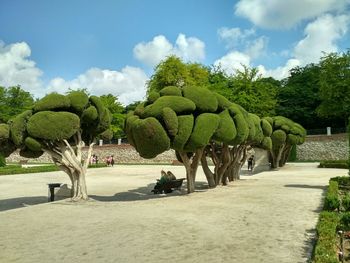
(323, 147)
(124, 153)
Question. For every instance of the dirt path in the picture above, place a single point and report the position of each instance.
(268, 217)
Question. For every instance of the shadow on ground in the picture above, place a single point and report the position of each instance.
(144, 193)
(20, 202)
(322, 187)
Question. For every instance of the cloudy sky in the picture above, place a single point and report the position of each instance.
(112, 46)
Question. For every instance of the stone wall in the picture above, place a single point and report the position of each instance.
(124, 153)
(323, 147)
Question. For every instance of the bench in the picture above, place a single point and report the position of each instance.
(52, 191)
(22, 163)
(168, 186)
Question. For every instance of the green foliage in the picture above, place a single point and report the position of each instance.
(173, 72)
(32, 144)
(266, 143)
(89, 115)
(242, 129)
(129, 124)
(342, 164)
(152, 97)
(170, 121)
(346, 202)
(278, 138)
(326, 246)
(334, 86)
(332, 201)
(150, 137)
(202, 97)
(223, 103)
(2, 160)
(293, 154)
(226, 130)
(345, 221)
(13, 100)
(48, 125)
(266, 127)
(204, 128)
(140, 109)
(170, 91)
(107, 135)
(185, 125)
(18, 127)
(4, 132)
(179, 104)
(78, 100)
(27, 153)
(95, 101)
(52, 101)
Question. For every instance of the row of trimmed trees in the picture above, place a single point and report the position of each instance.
(198, 123)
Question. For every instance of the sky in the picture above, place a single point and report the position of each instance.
(113, 47)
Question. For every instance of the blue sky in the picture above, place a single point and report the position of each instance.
(113, 46)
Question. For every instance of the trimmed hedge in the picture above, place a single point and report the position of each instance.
(226, 131)
(185, 127)
(326, 246)
(53, 101)
(202, 97)
(342, 164)
(332, 201)
(170, 121)
(170, 91)
(78, 100)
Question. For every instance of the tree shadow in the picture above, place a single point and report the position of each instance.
(20, 202)
(321, 187)
(144, 193)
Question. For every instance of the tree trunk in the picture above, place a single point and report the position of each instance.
(276, 157)
(208, 173)
(69, 159)
(191, 166)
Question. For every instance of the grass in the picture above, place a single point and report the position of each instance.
(17, 169)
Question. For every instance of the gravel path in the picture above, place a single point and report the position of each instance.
(266, 217)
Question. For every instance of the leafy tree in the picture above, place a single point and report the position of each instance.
(335, 86)
(173, 72)
(117, 112)
(247, 88)
(13, 100)
(60, 126)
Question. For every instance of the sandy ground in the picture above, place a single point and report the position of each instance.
(265, 217)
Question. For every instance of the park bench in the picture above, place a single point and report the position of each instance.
(168, 186)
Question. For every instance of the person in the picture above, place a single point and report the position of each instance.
(108, 161)
(112, 160)
(251, 162)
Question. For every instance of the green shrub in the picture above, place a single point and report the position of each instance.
(341, 164)
(345, 201)
(33, 144)
(223, 103)
(266, 143)
(242, 129)
(89, 115)
(178, 104)
(326, 246)
(140, 109)
(204, 128)
(266, 127)
(170, 91)
(234, 109)
(152, 97)
(342, 180)
(2, 160)
(129, 122)
(278, 137)
(50, 125)
(203, 98)
(150, 137)
(78, 100)
(345, 221)
(18, 127)
(53, 101)
(27, 153)
(4, 131)
(104, 121)
(107, 135)
(226, 131)
(293, 154)
(332, 201)
(170, 121)
(185, 126)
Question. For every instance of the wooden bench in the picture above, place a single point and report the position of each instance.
(22, 162)
(168, 186)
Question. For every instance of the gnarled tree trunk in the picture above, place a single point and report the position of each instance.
(69, 159)
(191, 166)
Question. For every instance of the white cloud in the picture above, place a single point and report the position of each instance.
(128, 84)
(234, 36)
(256, 48)
(321, 36)
(279, 72)
(17, 69)
(286, 13)
(187, 48)
(232, 62)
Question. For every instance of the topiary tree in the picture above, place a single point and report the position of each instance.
(286, 133)
(60, 126)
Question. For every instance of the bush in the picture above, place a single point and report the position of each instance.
(345, 222)
(332, 201)
(226, 131)
(2, 161)
(293, 154)
(185, 123)
(53, 101)
(326, 246)
(203, 98)
(346, 202)
(78, 100)
(170, 91)
(341, 164)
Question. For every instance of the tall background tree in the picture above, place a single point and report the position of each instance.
(335, 86)
(13, 100)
